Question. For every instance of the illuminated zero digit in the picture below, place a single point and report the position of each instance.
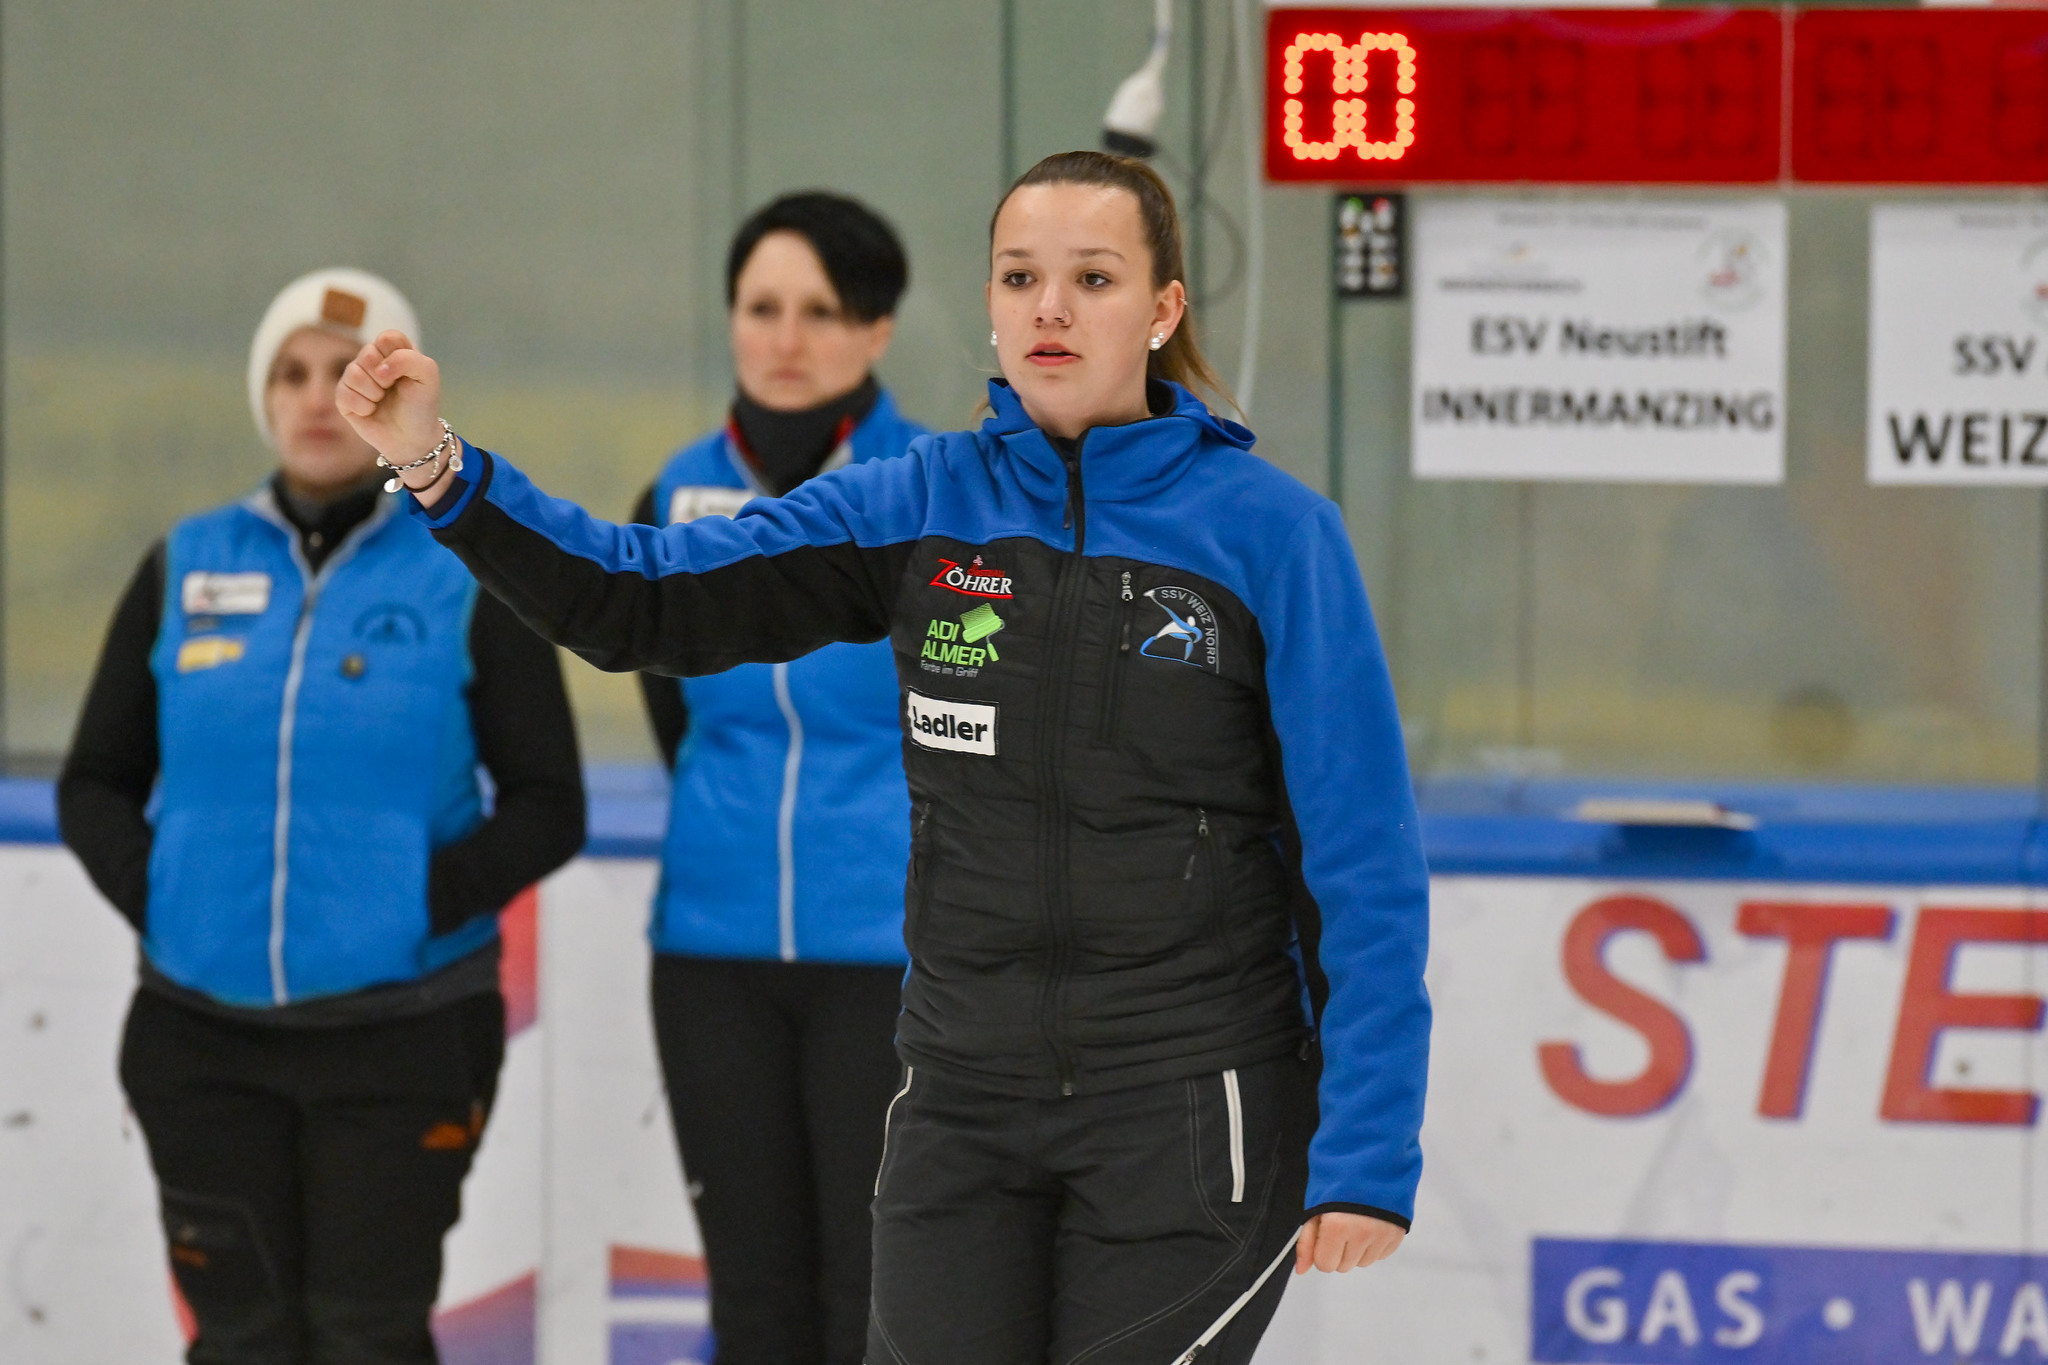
(1348, 80)
(1341, 112)
(1394, 148)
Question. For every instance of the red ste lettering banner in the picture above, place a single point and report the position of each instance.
(1657, 96)
(1810, 931)
(1709, 1121)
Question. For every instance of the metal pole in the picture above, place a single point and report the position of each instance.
(1198, 117)
(1006, 84)
(1334, 364)
(1525, 615)
(2041, 684)
(738, 150)
(6, 580)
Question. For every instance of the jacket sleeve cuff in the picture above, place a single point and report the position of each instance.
(1384, 1215)
(460, 493)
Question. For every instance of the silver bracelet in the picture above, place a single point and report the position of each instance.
(441, 447)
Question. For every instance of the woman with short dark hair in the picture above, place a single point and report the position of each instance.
(778, 921)
(1165, 865)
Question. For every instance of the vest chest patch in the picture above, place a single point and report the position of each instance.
(208, 651)
(224, 594)
(961, 727)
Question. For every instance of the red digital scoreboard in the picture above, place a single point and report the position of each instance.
(1657, 96)
(1920, 96)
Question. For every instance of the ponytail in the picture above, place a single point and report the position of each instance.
(1180, 359)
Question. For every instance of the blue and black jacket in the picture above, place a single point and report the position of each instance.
(788, 825)
(276, 773)
(1157, 778)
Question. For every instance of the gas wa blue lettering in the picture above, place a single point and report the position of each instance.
(1669, 1303)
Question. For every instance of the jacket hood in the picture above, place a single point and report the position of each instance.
(1118, 464)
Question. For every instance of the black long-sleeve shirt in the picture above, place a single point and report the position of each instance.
(525, 739)
(668, 715)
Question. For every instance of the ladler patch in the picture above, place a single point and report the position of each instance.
(963, 727)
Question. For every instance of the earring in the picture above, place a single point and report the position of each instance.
(991, 338)
(1158, 340)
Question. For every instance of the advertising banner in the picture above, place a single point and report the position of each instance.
(1635, 343)
(1717, 1122)
(1958, 345)
(1669, 1122)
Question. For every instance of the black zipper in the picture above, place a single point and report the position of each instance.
(1201, 844)
(1215, 913)
(1118, 656)
(1051, 732)
(917, 845)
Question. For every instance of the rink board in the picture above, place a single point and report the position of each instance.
(1620, 1166)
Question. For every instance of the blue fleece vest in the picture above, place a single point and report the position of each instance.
(316, 749)
(789, 822)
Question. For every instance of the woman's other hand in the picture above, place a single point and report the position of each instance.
(1344, 1241)
(391, 394)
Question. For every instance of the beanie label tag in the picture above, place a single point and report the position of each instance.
(343, 308)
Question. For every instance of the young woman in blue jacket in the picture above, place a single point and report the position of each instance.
(275, 779)
(1167, 911)
(778, 924)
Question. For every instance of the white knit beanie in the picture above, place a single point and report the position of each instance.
(350, 303)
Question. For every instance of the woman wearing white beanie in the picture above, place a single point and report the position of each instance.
(314, 1044)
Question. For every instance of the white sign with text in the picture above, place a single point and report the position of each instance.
(1625, 343)
(1958, 345)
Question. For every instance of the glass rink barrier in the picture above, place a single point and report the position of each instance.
(1749, 1074)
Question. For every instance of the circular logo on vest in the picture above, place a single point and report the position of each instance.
(391, 623)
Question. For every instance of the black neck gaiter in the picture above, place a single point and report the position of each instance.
(323, 525)
(786, 448)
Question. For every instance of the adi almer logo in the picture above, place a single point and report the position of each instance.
(967, 643)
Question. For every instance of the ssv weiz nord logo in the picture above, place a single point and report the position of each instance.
(1189, 635)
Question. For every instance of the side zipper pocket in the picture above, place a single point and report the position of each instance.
(1117, 661)
(889, 1118)
(1203, 857)
(1201, 845)
(1235, 1103)
(917, 845)
(920, 883)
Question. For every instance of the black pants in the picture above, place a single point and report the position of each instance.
(779, 1075)
(308, 1175)
(1103, 1229)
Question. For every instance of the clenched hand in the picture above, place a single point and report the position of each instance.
(391, 394)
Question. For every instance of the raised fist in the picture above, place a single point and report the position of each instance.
(391, 394)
